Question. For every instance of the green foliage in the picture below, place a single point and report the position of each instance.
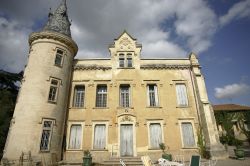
(86, 153)
(201, 144)
(163, 147)
(225, 119)
(244, 118)
(8, 93)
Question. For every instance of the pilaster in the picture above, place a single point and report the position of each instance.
(206, 113)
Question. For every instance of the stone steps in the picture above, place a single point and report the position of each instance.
(129, 161)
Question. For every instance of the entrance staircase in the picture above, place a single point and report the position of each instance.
(129, 161)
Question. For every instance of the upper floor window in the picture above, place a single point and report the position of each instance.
(101, 96)
(124, 96)
(181, 93)
(59, 57)
(79, 96)
(152, 95)
(53, 91)
(46, 134)
(125, 60)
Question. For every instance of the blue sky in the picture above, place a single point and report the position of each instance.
(217, 30)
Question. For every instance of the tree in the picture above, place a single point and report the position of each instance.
(9, 86)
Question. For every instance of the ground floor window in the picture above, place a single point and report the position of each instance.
(99, 136)
(187, 134)
(75, 138)
(155, 135)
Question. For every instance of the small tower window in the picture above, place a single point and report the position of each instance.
(53, 90)
(46, 135)
(59, 57)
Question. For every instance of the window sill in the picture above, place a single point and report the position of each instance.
(182, 106)
(60, 66)
(44, 151)
(51, 102)
(101, 108)
(126, 68)
(74, 150)
(77, 108)
(189, 148)
(99, 150)
(154, 149)
(153, 107)
(125, 107)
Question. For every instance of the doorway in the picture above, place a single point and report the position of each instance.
(126, 140)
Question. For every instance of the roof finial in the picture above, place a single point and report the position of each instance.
(58, 20)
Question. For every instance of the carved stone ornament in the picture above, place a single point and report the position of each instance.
(125, 41)
(126, 119)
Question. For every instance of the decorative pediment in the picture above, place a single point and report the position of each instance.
(125, 42)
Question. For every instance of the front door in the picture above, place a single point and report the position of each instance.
(126, 140)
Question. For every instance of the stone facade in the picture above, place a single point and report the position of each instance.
(66, 106)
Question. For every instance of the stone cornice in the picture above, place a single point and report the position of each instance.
(164, 66)
(92, 67)
(55, 36)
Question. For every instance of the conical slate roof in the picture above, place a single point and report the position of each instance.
(58, 21)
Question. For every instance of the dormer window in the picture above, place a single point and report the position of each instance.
(129, 60)
(121, 60)
(125, 60)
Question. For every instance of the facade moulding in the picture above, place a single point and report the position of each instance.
(55, 36)
(92, 67)
(164, 66)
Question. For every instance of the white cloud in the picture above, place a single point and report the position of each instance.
(237, 11)
(96, 23)
(232, 91)
(13, 45)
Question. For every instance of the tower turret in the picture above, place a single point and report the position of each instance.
(38, 121)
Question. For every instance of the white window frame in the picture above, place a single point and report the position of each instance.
(177, 97)
(156, 95)
(194, 133)
(57, 89)
(101, 93)
(129, 95)
(68, 135)
(62, 57)
(74, 96)
(50, 136)
(106, 123)
(149, 136)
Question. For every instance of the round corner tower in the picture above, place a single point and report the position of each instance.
(38, 122)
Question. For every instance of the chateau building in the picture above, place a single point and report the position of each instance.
(124, 105)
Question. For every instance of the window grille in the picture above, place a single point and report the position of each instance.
(46, 135)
